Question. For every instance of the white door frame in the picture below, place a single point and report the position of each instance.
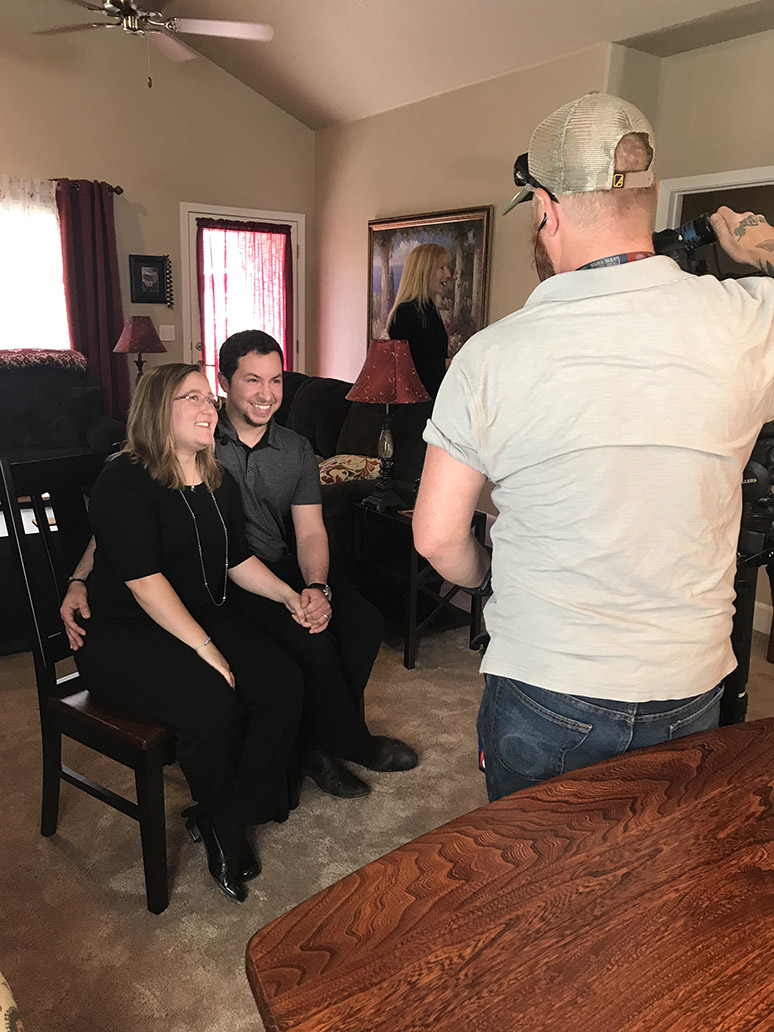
(672, 191)
(190, 295)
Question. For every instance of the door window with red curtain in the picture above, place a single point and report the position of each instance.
(245, 278)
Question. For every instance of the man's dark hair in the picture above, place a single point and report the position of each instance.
(243, 343)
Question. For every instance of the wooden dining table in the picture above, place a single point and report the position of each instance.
(636, 895)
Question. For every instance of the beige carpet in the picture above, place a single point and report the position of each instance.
(77, 945)
(76, 942)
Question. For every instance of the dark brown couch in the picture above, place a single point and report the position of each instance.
(49, 406)
(316, 407)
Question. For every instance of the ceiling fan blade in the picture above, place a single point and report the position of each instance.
(172, 47)
(229, 29)
(77, 28)
(89, 7)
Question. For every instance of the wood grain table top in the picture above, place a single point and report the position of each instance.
(633, 896)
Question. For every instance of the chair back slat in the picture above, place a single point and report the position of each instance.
(46, 553)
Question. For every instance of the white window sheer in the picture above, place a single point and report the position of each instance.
(32, 297)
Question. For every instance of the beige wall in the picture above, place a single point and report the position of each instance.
(73, 109)
(456, 150)
(637, 78)
(451, 151)
(717, 108)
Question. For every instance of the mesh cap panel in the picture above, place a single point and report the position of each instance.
(573, 150)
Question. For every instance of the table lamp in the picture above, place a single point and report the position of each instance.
(388, 377)
(139, 337)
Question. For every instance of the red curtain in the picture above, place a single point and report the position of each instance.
(92, 290)
(245, 278)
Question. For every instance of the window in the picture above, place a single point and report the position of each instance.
(32, 296)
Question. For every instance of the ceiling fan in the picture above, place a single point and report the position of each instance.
(162, 31)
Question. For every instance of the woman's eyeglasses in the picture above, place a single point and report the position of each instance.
(196, 399)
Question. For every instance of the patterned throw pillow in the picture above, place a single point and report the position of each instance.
(339, 468)
(10, 1019)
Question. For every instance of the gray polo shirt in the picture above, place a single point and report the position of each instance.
(280, 471)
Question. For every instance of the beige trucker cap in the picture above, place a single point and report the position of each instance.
(573, 150)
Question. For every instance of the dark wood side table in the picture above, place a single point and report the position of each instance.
(636, 895)
(384, 541)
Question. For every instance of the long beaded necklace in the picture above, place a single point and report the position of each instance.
(199, 545)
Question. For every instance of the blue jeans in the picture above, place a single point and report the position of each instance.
(530, 734)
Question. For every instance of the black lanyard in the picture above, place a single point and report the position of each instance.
(616, 259)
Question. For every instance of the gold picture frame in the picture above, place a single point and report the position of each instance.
(467, 234)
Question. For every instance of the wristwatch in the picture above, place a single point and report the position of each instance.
(484, 588)
(324, 588)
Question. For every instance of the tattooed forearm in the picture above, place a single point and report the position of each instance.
(744, 225)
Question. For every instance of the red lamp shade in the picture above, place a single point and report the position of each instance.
(388, 376)
(139, 337)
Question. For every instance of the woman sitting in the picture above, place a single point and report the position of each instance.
(163, 641)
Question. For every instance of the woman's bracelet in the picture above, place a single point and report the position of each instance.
(202, 644)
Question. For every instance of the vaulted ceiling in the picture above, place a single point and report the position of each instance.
(335, 61)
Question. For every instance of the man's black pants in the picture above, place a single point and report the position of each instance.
(336, 663)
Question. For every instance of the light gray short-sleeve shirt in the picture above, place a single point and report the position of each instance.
(615, 414)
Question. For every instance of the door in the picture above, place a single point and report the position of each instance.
(243, 269)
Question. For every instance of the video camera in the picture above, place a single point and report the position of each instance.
(681, 244)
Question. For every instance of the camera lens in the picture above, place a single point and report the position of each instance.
(697, 232)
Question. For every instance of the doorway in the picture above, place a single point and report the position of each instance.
(681, 200)
(244, 269)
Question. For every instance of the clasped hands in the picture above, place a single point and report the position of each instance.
(313, 611)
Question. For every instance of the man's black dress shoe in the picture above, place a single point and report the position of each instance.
(249, 864)
(223, 869)
(331, 776)
(393, 755)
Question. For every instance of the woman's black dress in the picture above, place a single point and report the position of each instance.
(425, 332)
(234, 746)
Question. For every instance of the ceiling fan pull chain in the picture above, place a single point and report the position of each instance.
(147, 50)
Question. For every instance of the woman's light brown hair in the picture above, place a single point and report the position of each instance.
(149, 428)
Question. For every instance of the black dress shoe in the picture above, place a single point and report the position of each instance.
(393, 755)
(248, 865)
(224, 869)
(331, 776)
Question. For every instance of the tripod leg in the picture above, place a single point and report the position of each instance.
(733, 707)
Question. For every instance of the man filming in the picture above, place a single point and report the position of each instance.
(614, 414)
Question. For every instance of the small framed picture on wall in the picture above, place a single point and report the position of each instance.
(149, 278)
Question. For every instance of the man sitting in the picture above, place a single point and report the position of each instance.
(279, 483)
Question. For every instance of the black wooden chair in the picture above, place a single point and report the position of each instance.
(48, 495)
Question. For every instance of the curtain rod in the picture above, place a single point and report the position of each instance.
(113, 189)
